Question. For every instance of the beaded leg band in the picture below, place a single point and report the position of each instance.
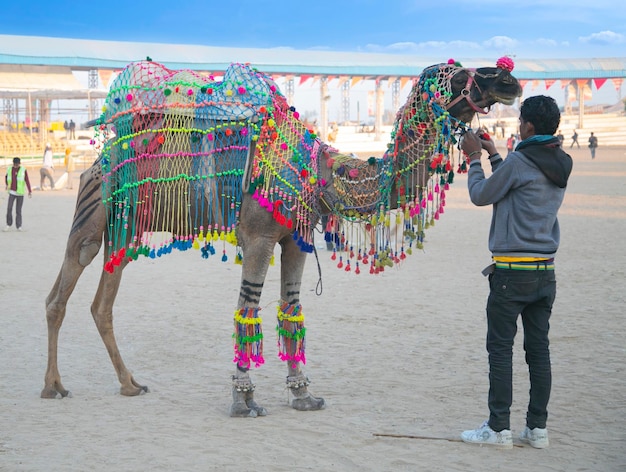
(248, 337)
(291, 333)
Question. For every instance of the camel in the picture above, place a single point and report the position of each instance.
(213, 162)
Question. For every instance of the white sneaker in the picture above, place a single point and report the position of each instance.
(19, 229)
(8, 228)
(537, 437)
(487, 436)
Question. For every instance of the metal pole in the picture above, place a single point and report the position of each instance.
(378, 123)
(323, 128)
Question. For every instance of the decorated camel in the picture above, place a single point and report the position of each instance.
(190, 162)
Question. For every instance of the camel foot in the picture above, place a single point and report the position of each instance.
(134, 390)
(303, 400)
(254, 406)
(244, 405)
(241, 410)
(308, 403)
(55, 391)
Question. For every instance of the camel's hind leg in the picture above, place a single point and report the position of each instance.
(83, 245)
(292, 266)
(102, 312)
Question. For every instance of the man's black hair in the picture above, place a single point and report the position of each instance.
(543, 112)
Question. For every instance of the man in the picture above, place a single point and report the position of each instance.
(526, 190)
(593, 144)
(575, 140)
(510, 144)
(45, 172)
(16, 181)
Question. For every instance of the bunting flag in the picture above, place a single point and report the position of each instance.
(523, 83)
(390, 81)
(355, 80)
(105, 77)
(342, 80)
(565, 83)
(535, 84)
(617, 83)
(404, 81)
(549, 83)
(599, 83)
(304, 78)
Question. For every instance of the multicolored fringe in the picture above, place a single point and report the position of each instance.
(181, 142)
(416, 171)
(284, 171)
(291, 333)
(173, 148)
(248, 338)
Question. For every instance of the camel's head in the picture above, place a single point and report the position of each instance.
(463, 92)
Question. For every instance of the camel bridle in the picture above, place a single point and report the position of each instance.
(466, 93)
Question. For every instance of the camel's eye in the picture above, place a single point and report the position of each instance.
(459, 80)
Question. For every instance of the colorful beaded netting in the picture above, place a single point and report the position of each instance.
(175, 145)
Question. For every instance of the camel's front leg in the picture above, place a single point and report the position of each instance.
(257, 252)
(102, 312)
(291, 329)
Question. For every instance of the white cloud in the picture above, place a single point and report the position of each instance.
(603, 37)
(500, 43)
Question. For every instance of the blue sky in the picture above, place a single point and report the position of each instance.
(460, 29)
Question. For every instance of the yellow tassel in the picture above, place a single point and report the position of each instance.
(272, 260)
(196, 245)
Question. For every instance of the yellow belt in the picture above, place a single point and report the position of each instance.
(538, 265)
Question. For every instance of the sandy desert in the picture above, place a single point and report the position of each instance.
(399, 358)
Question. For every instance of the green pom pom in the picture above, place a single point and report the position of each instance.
(371, 161)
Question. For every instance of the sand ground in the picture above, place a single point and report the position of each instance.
(399, 357)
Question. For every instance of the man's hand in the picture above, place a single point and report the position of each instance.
(471, 145)
(488, 144)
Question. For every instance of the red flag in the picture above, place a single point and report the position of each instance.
(599, 83)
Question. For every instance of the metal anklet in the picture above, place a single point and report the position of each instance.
(297, 381)
(242, 385)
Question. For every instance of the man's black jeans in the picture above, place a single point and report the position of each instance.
(530, 293)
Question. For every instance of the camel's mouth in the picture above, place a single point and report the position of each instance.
(505, 100)
(487, 103)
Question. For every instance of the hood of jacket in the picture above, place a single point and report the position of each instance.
(549, 157)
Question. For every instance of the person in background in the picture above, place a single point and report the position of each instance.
(560, 137)
(69, 166)
(593, 144)
(17, 182)
(526, 191)
(47, 168)
(72, 129)
(510, 144)
(575, 140)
